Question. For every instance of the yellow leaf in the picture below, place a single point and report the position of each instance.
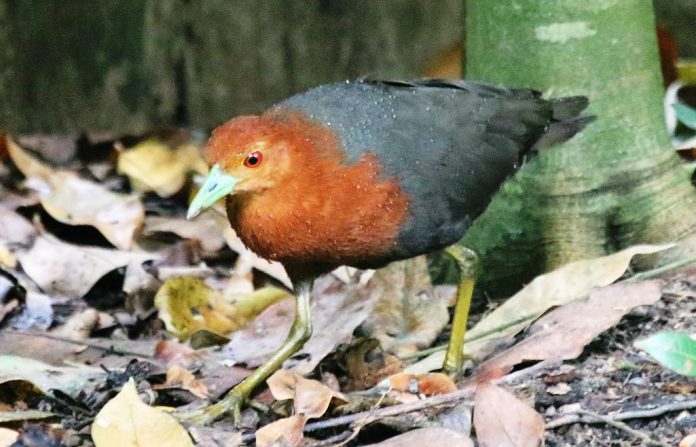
(311, 397)
(180, 296)
(125, 421)
(153, 166)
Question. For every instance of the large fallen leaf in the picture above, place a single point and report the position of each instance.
(153, 166)
(126, 421)
(71, 270)
(673, 350)
(68, 379)
(285, 432)
(430, 436)
(563, 285)
(310, 397)
(563, 333)
(337, 309)
(76, 201)
(409, 315)
(501, 420)
(186, 304)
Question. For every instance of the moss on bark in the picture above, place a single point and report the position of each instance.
(618, 183)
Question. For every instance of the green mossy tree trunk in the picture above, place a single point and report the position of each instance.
(618, 183)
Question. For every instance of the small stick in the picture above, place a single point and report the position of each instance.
(574, 417)
(590, 417)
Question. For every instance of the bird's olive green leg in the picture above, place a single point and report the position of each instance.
(232, 403)
(466, 261)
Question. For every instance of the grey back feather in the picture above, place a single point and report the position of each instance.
(449, 143)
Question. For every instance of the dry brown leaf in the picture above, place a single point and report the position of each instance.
(205, 229)
(337, 309)
(283, 432)
(563, 333)
(563, 285)
(126, 421)
(178, 377)
(367, 364)
(7, 437)
(408, 315)
(431, 436)
(173, 353)
(71, 270)
(152, 166)
(311, 397)
(76, 201)
(502, 420)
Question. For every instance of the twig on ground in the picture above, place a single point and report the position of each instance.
(587, 417)
(574, 417)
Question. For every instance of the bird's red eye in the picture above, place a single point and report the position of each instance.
(253, 159)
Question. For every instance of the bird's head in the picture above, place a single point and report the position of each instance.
(252, 154)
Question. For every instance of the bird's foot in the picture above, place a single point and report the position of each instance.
(230, 405)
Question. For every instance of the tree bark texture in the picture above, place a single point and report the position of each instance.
(618, 183)
(129, 66)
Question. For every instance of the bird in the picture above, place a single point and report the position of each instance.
(366, 172)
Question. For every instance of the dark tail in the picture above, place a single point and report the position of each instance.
(566, 121)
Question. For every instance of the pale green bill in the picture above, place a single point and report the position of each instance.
(217, 185)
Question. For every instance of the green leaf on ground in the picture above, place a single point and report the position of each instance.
(673, 350)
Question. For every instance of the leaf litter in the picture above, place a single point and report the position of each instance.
(194, 280)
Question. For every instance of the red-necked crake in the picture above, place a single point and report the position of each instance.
(367, 172)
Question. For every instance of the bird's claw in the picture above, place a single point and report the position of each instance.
(230, 405)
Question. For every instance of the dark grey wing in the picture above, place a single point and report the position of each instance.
(450, 143)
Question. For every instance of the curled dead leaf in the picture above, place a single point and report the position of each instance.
(311, 398)
(178, 377)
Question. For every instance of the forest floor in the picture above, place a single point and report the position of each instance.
(105, 289)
